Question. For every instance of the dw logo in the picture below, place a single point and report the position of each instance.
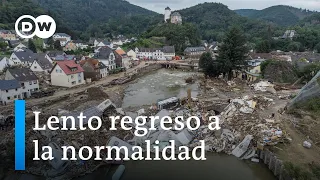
(43, 26)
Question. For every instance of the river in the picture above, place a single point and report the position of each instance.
(166, 83)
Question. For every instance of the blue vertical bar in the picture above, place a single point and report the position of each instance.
(20, 134)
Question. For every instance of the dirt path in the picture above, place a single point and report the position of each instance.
(293, 152)
(63, 92)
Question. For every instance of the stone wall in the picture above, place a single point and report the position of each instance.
(274, 164)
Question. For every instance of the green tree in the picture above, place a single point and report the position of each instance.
(57, 45)
(208, 65)
(232, 52)
(3, 45)
(263, 46)
(32, 46)
(50, 42)
(317, 48)
(294, 46)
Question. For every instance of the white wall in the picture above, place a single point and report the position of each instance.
(103, 73)
(5, 62)
(35, 67)
(27, 87)
(132, 54)
(13, 94)
(15, 59)
(59, 78)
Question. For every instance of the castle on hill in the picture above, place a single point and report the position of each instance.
(174, 18)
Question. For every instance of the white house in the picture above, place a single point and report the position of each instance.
(5, 62)
(107, 57)
(28, 80)
(165, 53)
(41, 64)
(23, 57)
(67, 74)
(10, 90)
(19, 47)
(62, 37)
(117, 42)
(80, 45)
(132, 54)
(104, 44)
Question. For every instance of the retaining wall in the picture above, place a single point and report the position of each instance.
(274, 164)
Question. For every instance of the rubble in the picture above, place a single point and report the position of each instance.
(264, 86)
(307, 144)
(243, 130)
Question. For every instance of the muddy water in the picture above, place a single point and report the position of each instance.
(156, 86)
(164, 84)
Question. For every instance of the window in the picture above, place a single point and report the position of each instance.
(35, 67)
(8, 98)
(35, 82)
(15, 96)
(57, 70)
(36, 89)
(79, 81)
(7, 91)
(16, 89)
(71, 76)
(30, 83)
(73, 83)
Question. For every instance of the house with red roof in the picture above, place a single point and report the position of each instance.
(67, 74)
(122, 59)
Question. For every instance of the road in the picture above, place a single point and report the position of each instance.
(63, 92)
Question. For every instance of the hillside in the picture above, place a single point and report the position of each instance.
(280, 15)
(10, 11)
(212, 19)
(100, 17)
(312, 20)
(246, 12)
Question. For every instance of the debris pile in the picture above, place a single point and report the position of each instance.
(264, 86)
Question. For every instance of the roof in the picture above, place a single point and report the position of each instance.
(93, 62)
(5, 31)
(102, 66)
(176, 14)
(64, 57)
(66, 66)
(25, 56)
(194, 49)
(167, 8)
(105, 42)
(120, 52)
(23, 74)
(104, 53)
(62, 34)
(9, 84)
(43, 61)
(55, 53)
(168, 49)
(14, 43)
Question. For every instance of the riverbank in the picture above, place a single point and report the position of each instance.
(211, 97)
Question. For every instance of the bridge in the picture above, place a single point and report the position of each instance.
(176, 64)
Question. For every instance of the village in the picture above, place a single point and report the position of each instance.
(254, 111)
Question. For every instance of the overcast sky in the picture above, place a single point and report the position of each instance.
(159, 5)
